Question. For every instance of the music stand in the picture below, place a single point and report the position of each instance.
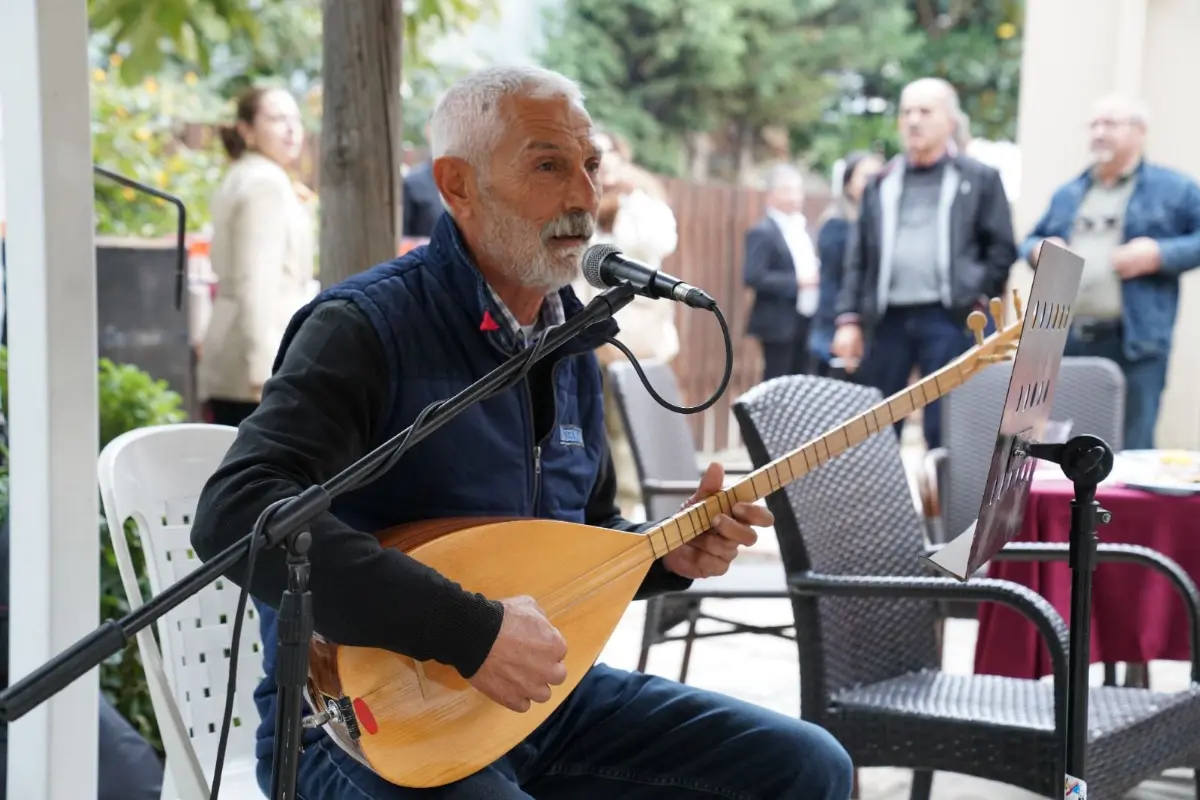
(1085, 460)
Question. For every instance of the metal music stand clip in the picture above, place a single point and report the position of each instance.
(1085, 460)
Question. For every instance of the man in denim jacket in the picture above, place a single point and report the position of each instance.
(1137, 227)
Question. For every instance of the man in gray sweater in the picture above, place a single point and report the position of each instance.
(933, 241)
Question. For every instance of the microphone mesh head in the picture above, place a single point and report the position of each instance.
(593, 257)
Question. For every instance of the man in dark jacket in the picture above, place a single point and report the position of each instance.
(934, 241)
(1137, 227)
(515, 157)
(781, 267)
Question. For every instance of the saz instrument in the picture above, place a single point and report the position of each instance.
(420, 724)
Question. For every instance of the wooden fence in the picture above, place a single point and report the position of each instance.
(713, 221)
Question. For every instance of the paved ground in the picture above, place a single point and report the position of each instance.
(764, 670)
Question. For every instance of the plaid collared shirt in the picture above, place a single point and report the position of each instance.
(552, 313)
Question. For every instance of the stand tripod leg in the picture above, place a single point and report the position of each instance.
(1085, 514)
(295, 629)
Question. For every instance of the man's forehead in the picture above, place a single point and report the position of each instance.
(558, 144)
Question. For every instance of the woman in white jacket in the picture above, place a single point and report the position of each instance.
(262, 254)
(635, 217)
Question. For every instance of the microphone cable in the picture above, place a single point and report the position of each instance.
(707, 404)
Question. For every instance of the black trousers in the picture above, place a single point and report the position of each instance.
(788, 356)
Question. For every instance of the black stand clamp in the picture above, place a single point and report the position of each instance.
(1086, 461)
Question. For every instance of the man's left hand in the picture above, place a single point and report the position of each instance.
(711, 553)
(1137, 257)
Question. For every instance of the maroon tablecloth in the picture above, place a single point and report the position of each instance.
(1137, 616)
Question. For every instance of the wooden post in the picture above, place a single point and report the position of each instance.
(361, 136)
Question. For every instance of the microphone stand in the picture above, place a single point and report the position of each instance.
(287, 523)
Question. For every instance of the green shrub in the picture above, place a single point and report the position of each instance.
(128, 399)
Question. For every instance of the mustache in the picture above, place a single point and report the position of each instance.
(575, 223)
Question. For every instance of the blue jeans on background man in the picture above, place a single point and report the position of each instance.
(1145, 380)
(925, 336)
(626, 735)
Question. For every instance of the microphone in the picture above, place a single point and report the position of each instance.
(604, 266)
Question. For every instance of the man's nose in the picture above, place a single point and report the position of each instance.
(584, 191)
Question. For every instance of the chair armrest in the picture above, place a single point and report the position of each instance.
(702, 462)
(1024, 600)
(931, 466)
(1124, 554)
(655, 488)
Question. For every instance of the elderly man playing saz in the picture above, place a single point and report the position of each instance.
(516, 161)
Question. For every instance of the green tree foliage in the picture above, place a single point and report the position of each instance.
(977, 47)
(151, 31)
(248, 41)
(661, 70)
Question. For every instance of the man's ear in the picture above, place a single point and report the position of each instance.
(456, 181)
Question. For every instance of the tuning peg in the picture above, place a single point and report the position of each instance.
(1017, 306)
(996, 306)
(976, 321)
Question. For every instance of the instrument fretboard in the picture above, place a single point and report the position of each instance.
(696, 519)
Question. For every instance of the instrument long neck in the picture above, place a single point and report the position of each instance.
(696, 519)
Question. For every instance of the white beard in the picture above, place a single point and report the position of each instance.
(518, 244)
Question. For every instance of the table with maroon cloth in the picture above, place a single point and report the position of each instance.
(1137, 615)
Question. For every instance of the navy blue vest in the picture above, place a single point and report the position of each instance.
(427, 308)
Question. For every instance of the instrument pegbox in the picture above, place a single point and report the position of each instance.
(977, 321)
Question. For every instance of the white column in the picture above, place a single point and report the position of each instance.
(52, 384)
(1130, 48)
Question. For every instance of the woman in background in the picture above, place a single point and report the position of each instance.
(262, 254)
(858, 168)
(635, 217)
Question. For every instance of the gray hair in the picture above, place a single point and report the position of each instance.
(781, 174)
(467, 122)
(1136, 110)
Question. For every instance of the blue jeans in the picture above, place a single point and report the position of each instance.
(1145, 380)
(927, 337)
(627, 735)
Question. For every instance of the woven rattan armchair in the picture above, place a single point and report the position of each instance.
(865, 609)
(668, 469)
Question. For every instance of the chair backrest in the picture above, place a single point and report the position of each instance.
(853, 515)
(154, 476)
(662, 442)
(1090, 393)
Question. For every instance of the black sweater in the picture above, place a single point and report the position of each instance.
(318, 414)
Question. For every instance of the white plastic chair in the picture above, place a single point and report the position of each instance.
(154, 475)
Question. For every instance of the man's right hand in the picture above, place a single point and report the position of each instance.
(525, 660)
(1037, 248)
(848, 345)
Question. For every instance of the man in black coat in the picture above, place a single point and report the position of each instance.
(934, 240)
(781, 267)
